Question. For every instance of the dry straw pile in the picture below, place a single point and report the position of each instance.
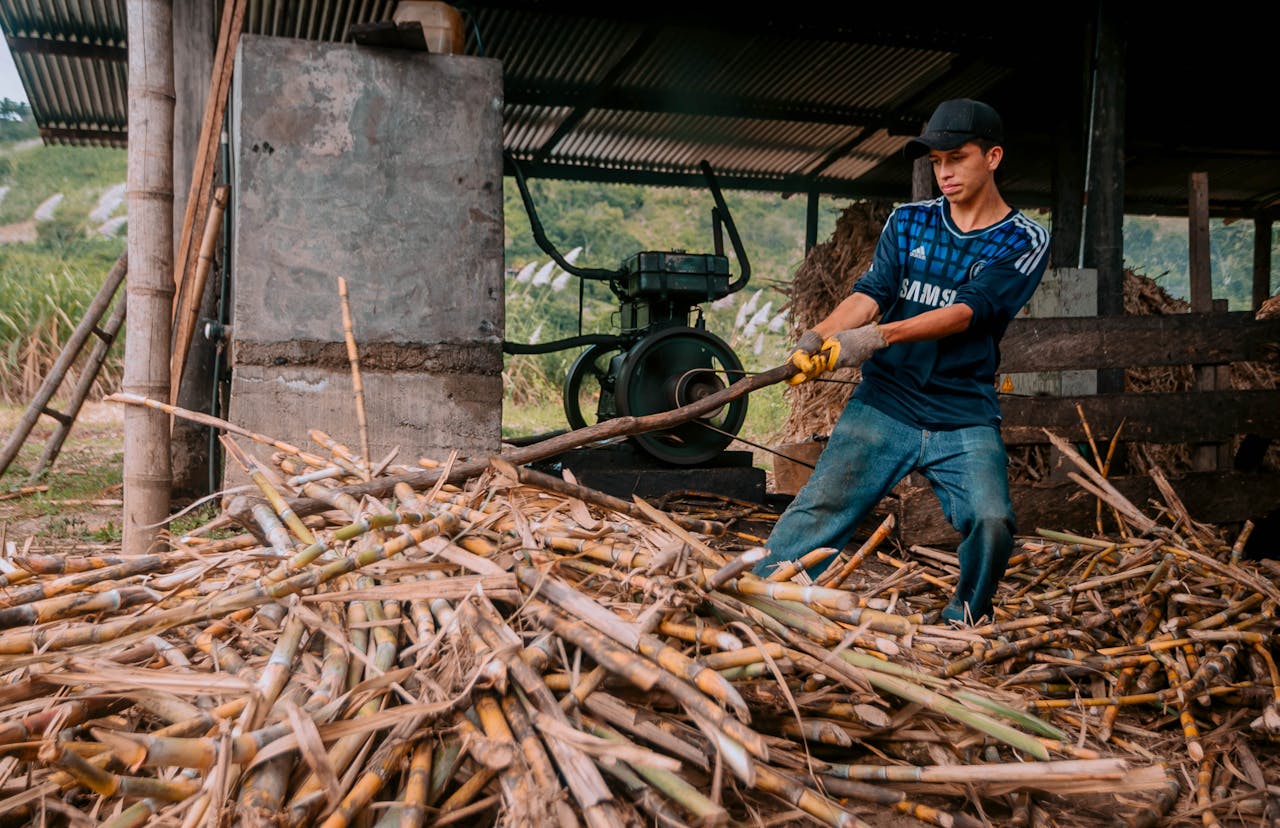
(513, 649)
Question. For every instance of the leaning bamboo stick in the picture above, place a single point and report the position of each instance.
(357, 384)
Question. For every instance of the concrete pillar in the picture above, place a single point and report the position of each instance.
(383, 167)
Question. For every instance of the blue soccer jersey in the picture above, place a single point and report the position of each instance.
(923, 261)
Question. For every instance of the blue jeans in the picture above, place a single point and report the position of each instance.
(868, 453)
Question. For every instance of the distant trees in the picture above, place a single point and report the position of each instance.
(16, 123)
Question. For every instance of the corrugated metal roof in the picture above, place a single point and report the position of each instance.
(71, 57)
(804, 97)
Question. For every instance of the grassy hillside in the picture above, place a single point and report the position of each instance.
(52, 259)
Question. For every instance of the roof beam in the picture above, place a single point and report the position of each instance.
(672, 102)
(69, 48)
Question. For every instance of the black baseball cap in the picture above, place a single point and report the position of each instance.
(953, 123)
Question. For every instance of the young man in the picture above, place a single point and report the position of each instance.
(925, 323)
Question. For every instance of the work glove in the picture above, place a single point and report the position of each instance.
(851, 348)
(802, 357)
(844, 349)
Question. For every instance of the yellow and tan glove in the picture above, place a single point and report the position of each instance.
(851, 348)
(803, 357)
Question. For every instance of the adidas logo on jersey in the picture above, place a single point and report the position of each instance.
(918, 253)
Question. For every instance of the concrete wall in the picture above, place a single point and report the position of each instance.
(383, 167)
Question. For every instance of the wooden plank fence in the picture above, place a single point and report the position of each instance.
(1221, 495)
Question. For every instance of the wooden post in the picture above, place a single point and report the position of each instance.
(149, 285)
(1104, 205)
(1204, 456)
(1068, 174)
(921, 179)
(810, 222)
(1261, 258)
(1198, 240)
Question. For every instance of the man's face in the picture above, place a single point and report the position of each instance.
(966, 171)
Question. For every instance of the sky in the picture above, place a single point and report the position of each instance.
(10, 85)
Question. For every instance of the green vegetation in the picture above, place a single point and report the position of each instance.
(1157, 248)
(46, 285)
(16, 123)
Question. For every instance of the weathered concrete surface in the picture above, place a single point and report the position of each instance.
(383, 167)
(305, 397)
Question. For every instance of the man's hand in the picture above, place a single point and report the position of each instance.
(804, 356)
(851, 348)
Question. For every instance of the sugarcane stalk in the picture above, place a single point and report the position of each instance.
(1237, 548)
(273, 529)
(73, 583)
(277, 501)
(384, 764)
(341, 454)
(66, 714)
(1006, 651)
(532, 477)
(1161, 698)
(1154, 813)
(139, 813)
(107, 784)
(740, 657)
(344, 750)
(644, 674)
(69, 606)
(793, 616)
(260, 592)
(64, 565)
(863, 669)
(787, 570)
(588, 685)
(747, 672)
(1204, 794)
(535, 756)
(644, 797)
(807, 800)
(799, 593)
(836, 576)
(139, 750)
(705, 679)
(898, 801)
(581, 775)
(710, 636)
(735, 567)
(413, 810)
(1149, 624)
(819, 731)
(704, 811)
(218, 424)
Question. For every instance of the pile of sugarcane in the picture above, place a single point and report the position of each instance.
(514, 649)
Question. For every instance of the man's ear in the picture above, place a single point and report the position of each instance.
(994, 156)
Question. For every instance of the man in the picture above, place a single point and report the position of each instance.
(924, 323)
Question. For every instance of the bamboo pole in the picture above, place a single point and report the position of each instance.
(148, 473)
(187, 311)
(357, 384)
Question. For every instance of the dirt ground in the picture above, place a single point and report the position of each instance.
(82, 504)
